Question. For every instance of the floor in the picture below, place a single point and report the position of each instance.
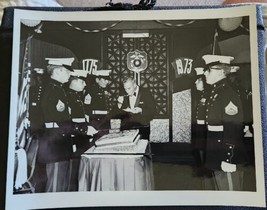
(175, 168)
(169, 176)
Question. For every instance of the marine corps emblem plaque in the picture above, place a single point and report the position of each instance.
(137, 61)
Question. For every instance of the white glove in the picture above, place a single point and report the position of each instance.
(228, 167)
(91, 131)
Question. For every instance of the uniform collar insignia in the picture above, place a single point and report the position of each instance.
(219, 84)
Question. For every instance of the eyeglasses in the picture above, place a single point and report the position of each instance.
(211, 68)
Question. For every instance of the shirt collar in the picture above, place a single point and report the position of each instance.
(136, 91)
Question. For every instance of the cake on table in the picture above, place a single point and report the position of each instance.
(122, 142)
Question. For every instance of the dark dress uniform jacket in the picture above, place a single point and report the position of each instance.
(99, 99)
(77, 110)
(55, 144)
(224, 121)
(35, 110)
(246, 99)
(98, 109)
(199, 120)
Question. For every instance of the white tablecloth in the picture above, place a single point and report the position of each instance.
(110, 172)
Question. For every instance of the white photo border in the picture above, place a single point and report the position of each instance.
(138, 198)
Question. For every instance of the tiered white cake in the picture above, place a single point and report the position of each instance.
(121, 142)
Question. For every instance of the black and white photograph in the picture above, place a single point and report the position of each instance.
(136, 107)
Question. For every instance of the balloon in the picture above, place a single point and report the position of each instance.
(230, 24)
(30, 23)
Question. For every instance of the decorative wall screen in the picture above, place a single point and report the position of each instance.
(155, 77)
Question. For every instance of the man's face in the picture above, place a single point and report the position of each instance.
(64, 74)
(78, 84)
(213, 75)
(102, 82)
(129, 87)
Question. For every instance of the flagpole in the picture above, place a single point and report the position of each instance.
(214, 41)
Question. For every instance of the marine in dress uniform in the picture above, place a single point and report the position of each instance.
(224, 121)
(78, 116)
(199, 118)
(81, 142)
(55, 149)
(137, 108)
(246, 99)
(97, 109)
(36, 125)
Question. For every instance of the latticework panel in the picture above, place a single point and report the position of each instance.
(155, 77)
(117, 49)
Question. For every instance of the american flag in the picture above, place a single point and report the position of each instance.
(23, 94)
